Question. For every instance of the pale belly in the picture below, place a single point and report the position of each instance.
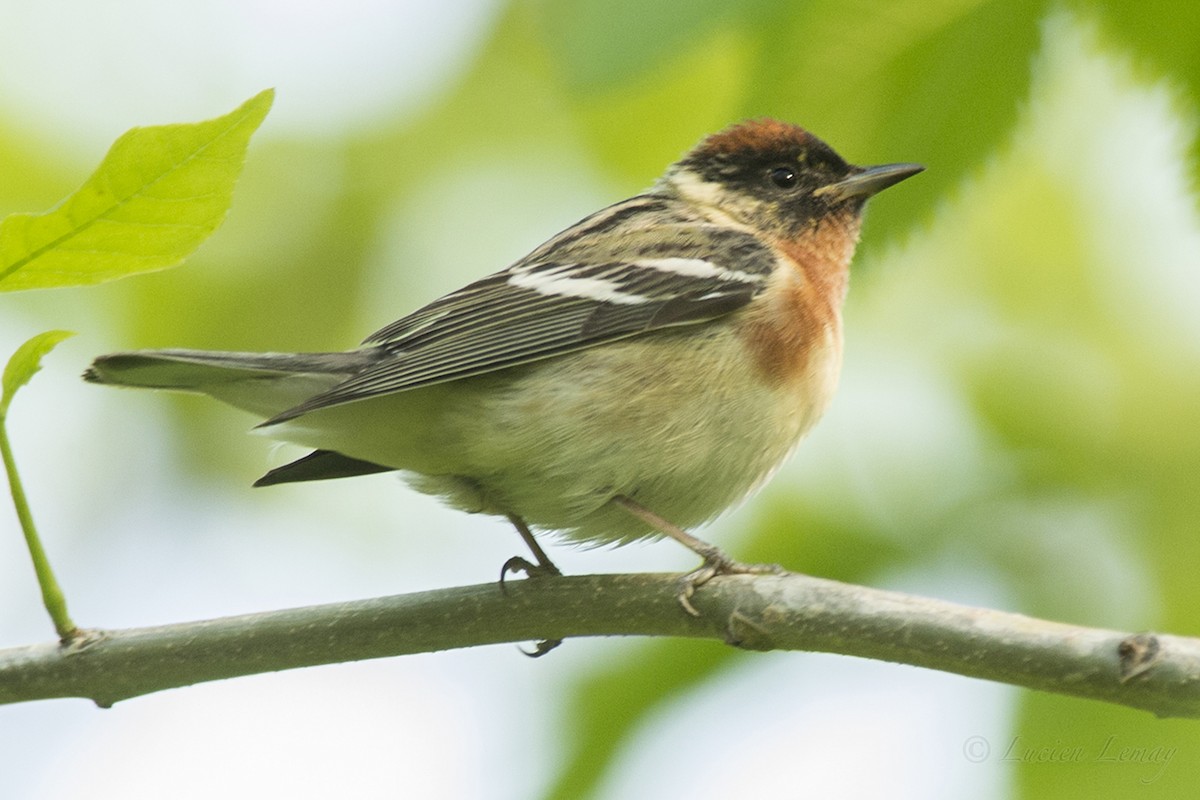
(553, 442)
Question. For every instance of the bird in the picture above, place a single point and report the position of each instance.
(631, 378)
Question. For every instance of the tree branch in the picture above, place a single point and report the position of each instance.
(1157, 673)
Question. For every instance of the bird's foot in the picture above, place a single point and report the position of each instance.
(716, 562)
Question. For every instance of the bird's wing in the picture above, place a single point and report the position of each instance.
(594, 283)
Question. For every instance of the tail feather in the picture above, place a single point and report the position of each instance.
(264, 383)
(320, 465)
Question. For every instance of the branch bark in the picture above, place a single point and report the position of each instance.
(1153, 672)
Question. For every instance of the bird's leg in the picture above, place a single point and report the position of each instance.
(716, 561)
(544, 566)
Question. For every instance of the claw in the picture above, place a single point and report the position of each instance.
(717, 563)
(543, 568)
(517, 564)
(544, 565)
(542, 647)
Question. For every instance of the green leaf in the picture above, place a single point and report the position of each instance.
(25, 363)
(157, 195)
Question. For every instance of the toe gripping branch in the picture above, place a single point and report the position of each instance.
(716, 561)
(543, 568)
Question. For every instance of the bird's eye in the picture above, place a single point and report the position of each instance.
(783, 177)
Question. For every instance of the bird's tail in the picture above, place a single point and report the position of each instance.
(263, 383)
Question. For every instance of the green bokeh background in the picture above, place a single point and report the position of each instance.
(1039, 290)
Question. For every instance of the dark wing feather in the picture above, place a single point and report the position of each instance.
(593, 283)
(320, 465)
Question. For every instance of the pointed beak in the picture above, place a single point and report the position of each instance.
(869, 181)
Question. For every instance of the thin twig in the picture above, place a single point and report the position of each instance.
(52, 594)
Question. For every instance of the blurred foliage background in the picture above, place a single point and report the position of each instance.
(1018, 426)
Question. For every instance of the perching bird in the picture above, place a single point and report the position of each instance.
(637, 374)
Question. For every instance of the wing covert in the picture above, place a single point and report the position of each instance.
(592, 284)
